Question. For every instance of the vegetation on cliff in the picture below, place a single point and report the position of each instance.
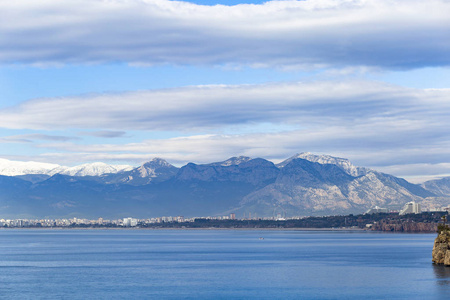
(441, 248)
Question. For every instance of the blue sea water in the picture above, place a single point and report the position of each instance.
(218, 264)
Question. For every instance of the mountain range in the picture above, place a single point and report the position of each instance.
(304, 184)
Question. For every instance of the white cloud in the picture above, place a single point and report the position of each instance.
(341, 33)
(196, 109)
(370, 148)
(418, 173)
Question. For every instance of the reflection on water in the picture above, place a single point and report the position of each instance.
(442, 274)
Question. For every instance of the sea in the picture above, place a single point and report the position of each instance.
(218, 264)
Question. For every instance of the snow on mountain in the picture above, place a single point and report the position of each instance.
(92, 169)
(343, 163)
(233, 161)
(18, 168)
(155, 170)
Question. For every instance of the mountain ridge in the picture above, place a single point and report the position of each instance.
(304, 184)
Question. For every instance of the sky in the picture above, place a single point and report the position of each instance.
(124, 81)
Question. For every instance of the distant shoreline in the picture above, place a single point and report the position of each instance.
(211, 229)
(194, 229)
(382, 222)
(186, 228)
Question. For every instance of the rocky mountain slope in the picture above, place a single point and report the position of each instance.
(323, 188)
(440, 187)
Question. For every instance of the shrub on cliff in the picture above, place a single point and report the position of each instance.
(442, 227)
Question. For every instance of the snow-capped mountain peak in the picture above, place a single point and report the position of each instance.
(17, 168)
(93, 169)
(155, 170)
(157, 162)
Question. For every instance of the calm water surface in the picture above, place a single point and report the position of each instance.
(218, 264)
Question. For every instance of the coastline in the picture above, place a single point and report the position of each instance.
(205, 228)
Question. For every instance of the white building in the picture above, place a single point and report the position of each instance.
(130, 222)
(411, 208)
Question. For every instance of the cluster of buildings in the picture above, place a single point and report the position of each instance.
(77, 222)
(409, 208)
(56, 222)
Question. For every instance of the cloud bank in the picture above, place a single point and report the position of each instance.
(390, 34)
(362, 105)
(374, 124)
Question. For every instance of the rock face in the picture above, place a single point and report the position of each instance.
(441, 249)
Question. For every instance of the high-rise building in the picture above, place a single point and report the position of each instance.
(130, 222)
(411, 208)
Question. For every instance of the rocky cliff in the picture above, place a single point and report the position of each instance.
(441, 248)
(404, 226)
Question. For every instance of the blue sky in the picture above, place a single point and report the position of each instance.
(126, 81)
